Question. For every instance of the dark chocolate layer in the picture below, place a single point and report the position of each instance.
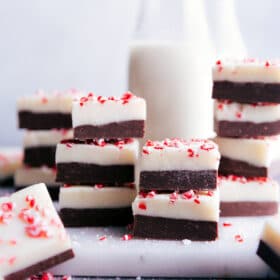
(38, 121)
(40, 266)
(53, 191)
(248, 208)
(174, 229)
(269, 256)
(96, 217)
(240, 168)
(246, 92)
(181, 180)
(39, 156)
(85, 173)
(125, 129)
(246, 129)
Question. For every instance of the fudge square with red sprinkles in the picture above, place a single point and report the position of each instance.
(177, 164)
(109, 117)
(32, 236)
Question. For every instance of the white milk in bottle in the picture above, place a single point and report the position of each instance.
(171, 69)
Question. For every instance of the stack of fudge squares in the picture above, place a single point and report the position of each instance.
(47, 120)
(178, 197)
(247, 123)
(97, 166)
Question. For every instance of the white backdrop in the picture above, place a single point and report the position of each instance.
(83, 44)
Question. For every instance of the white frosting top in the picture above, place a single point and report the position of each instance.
(39, 138)
(178, 154)
(29, 223)
(234, 188)
(236, 112)
(27, 176)
(271, 234)
(80, 197)
(42, 102)
(99, 110)
(10, 161)
(188, 206)
(247, 70)
(258, 152)
(120, 152)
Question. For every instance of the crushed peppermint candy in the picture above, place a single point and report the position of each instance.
(102, 238)
(142, 205)
(238, 238)
(227, 224)
(126, 237)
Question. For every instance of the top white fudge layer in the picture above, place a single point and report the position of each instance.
(246, 71)
(99, 151)
(98, 110)
(271, 234)
(29, 226)
(42, 102)
(179, 154)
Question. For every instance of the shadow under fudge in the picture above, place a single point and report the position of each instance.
(247, 92)
(40, 121)
(125, 129)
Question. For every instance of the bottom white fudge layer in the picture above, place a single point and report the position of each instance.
(187, 206)
(30, 230)
(81, 197)
(28, 176)
(238, 189)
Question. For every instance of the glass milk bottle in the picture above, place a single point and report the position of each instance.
(170, 66)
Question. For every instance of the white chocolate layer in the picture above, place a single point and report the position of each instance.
(45, 137)
(42, 102)
(257, 152)
(238, 189)
(103, 155)
(246, 71)
(237, 112)
(10, 161)
(271, 234)
(27, 176)
(180, 155)
(161, 206)
(94, 112)
(18, 241)
(80, 197)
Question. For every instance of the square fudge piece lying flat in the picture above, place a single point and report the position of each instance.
(247, 81)
(254, 157)
(96, 205)
(97, 161)
(109, 117)
(269, 246)
(176, 164)
(40, 146)
(26, 176)
(46, 110)
(174, 216)
(248, 197)
(32, 236)
(246, 120)
(10, 161)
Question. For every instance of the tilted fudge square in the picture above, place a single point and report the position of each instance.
(109, 117)
(40, 146)
(190, 215)
(249, 157)
(33, 238)
(177, 164)
(248, 197)
(247, 80)
(269, 246)
(246, 120)
(97, 161)
(46, 110)
(97, 205)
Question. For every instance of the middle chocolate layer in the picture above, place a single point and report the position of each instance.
(39, 156)
(181, 180)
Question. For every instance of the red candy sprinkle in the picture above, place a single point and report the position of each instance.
(44, 100)
(149, 143)
(190, 153)
(101, 99)
(127, 237)
(151, 194)
(12, 260)
(227, 224)
(12, 242)
(220, 106)
(99, 186)
(81, 104)
(197, 201)
(7, 206)
(69, 145)
(145, 151)
(102, 238)
(218, 62)
(267, 64)
(210, 193)
(238, 238)
(142, 206)
(238, 115)
(47, 276)
(30, 200)
(207, 147)
(36, 231)
(188, 194)
(173, 197)
(90, 95)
